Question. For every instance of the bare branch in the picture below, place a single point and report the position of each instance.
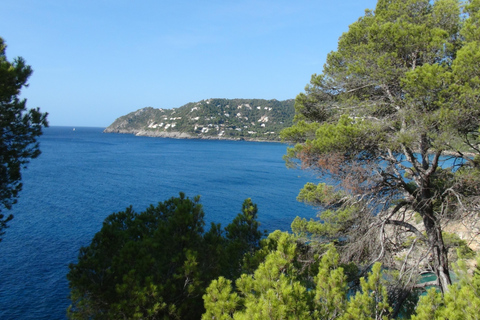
(434, 164)
(406, 258)
(408, 226)
(362, 87)
(426, 284)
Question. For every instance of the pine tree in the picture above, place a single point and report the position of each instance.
(157, 264)
(372, 301)
(20, 129)
(280, 289)
(399, 94)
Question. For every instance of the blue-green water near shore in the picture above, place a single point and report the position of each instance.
(84, 175)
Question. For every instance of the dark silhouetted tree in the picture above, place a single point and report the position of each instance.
(20, 129)
(157, 264)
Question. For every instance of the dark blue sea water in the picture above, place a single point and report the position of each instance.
(84, 175)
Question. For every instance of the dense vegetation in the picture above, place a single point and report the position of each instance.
(212, 118)
(157, 263)
(160, 263)
(391, 127)
(282, 287)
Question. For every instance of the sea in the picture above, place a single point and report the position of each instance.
(83, 175)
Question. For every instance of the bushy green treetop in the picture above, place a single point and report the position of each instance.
(156, 264)
(279, 289)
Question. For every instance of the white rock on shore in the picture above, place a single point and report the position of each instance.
(165, 134)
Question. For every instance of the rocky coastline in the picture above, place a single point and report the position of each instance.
(181, 135)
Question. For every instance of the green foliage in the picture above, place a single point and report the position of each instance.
(220, 302)
(471, 27)
(20, 129)
(157, 263)
(372, 301)
(271, 292)
(302, 131)
(243, 239)
(426, 309)
(452, 240)
(338, 137)
(331, 287)
(330, 223)
(277, 290)
(320, 195)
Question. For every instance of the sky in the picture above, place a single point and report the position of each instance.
(96, 60)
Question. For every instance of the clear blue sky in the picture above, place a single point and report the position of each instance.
(94, 61)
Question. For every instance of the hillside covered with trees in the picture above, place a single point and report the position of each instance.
(238, 119)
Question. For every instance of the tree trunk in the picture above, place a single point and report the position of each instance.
(439, 252)
(430, 220)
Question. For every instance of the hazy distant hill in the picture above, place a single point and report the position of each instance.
(249, 119)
